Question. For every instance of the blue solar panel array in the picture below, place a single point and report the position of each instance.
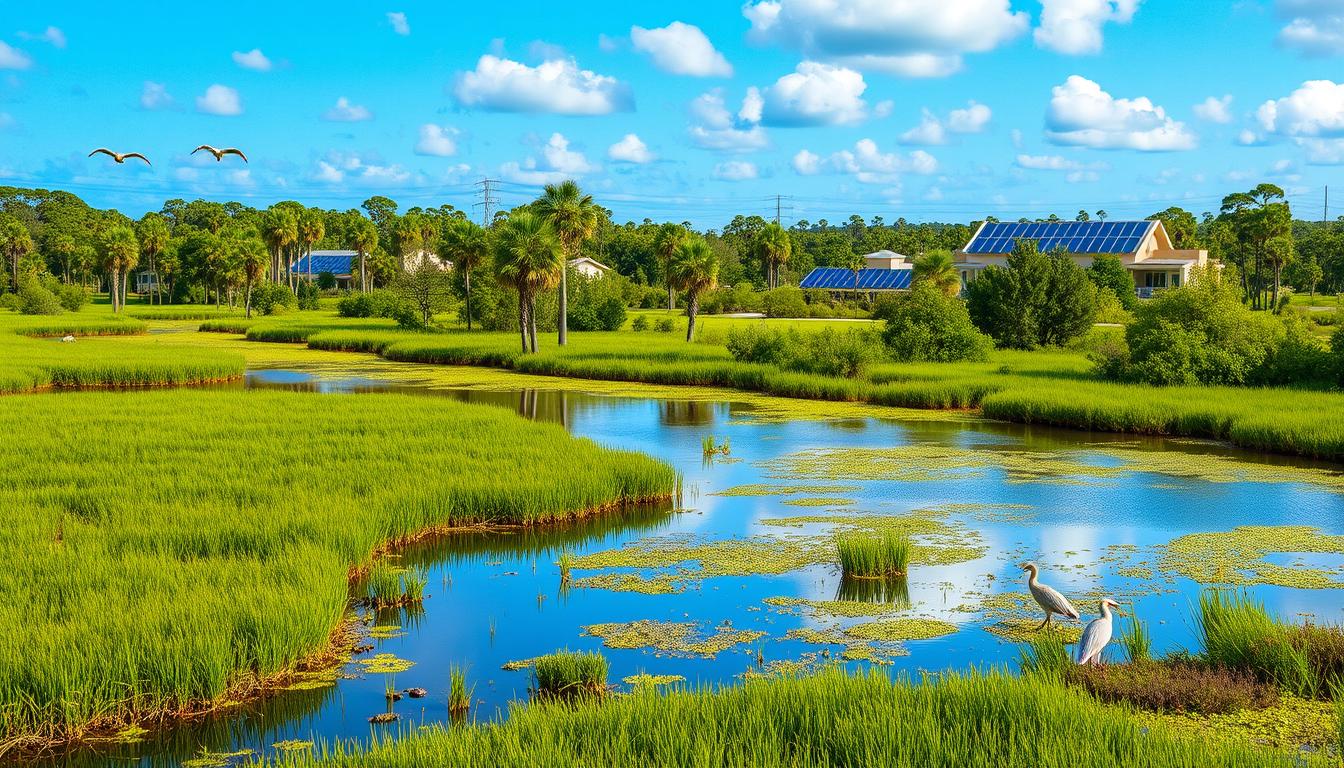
(1072, 236)
(838, 279)
(335, 263)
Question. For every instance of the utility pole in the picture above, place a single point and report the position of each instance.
(488, 199)
(1325, 212)
(780, 207)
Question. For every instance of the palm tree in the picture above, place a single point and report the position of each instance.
(406, 238)
(311, 230)
(774, 247)
(364, 239)
(252, 257)
(63, 247)
(695, 268)
(665, 243)
(465, 244)
(279, 230)
(574, 217)
(938, 269)
(15, 243)
(152, 232)
(120, 255)
(529, 257)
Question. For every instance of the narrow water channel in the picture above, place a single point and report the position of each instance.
(1095, 511)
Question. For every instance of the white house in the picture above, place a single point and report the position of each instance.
(589, 267)
(1142, 246)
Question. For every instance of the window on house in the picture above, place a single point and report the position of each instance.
(1175, 279)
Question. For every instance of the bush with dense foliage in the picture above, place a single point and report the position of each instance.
(376, 303)
(787, 301)
(35, 299)
(927, 324)
(273, 299)
(827, 352)
(1036, 300)
(308, 295)
(1201, 333)
(596, 303)
(1108, 272)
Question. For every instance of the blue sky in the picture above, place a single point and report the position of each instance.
(928, 109)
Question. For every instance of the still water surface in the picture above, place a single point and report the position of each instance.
(496, 598)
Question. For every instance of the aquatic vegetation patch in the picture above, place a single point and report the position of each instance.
(207, 759)
(660, 584)
(1236, 557)
(785, 489)
(842, 608)
(818, 501)
(646, 679)
(683, 638)
(292, 745)
(882, 555)
(1289, 724)
(900, 630)
(569, 674)
(384, 664)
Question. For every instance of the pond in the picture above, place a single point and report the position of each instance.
(741, 580)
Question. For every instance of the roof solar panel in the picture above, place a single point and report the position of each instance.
(1082, 237)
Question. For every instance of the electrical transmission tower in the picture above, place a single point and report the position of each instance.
(781, 207)
(488, 200)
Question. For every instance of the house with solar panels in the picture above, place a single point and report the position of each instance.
(883, 272)
(1142, 246)
(341, 264)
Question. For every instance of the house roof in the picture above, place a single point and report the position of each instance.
(594, 262)
(335, 262)
(1117, 237)
(840, 279)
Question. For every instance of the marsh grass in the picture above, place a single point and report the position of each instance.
(884, 554)
(459, 695)
(827, 719)
(566, 561)
(570, 675)
(1175, 685)
(1237, 632)
(1044, 654)
(1136, 640)
(172, 525)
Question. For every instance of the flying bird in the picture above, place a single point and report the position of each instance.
(1096, 635)
(1048, 598)
(120, 157)
(220, 153)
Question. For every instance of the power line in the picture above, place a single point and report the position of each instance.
(780, 207)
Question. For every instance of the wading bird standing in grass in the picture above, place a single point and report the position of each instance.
(120, 157)
(220, 153)
(1096, 635)
(1048, 598)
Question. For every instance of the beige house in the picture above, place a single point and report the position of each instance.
(1142, 246)
(589, 267)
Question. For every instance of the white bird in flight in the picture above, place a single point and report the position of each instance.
(220, 153)
(1096, 635)
(1048, 598)
(120, 157)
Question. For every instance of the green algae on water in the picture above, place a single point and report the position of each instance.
(842, 608)
(653, 681)
(818, 501)
(899, 630)
(1236, 557)
(758, 489)
(682, 638)
(384, 663)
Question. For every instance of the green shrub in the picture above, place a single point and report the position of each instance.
(1301, 358)
(664, 325)
(784, 302)
(848, 354)
(11, 301)
(71, 297)
(640, 323)
(757, 344)
(377, 303)
(308, 295)
(326, 281)
(928, 325)
(34, 299)
(1109, 272)
(273, 299)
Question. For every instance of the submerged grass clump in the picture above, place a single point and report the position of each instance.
(275, 496)
(867, 556)
(570, 674)
(830, 718)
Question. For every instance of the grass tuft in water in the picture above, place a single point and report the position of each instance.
(873, 556)
(459, 695)
(569, 674)
(1136, 640)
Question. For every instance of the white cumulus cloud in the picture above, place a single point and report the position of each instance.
(681, 49)
(398, 21)
(338, 167)
(933, 130)
(557, 163)
(219, 100)
(346, 112)
(52, 35)
(1314, 28)
(630, 149)
(13, 58)
(1315, 109)
(910, 38)
(1074, 26)
(253, 59)
(556, 86)
(714, 127)
(815, 94)
(867, 163)
(1075, 171)
(736, 170)
(155, 96)
(1215, 109)
(436, 141)
(1082, 114)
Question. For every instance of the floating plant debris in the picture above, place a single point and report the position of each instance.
(670, 637)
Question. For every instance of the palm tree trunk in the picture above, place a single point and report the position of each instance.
(692, 308)
(532, 322)
(564, 305)
(466, 275)
(125, 278)
(522, 319)
(247, 299)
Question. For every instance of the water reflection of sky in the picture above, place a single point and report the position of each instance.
(509, 581)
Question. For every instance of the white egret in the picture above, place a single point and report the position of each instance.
(1096, 635)
(220, 153)
(1048, 598)
(120, 157)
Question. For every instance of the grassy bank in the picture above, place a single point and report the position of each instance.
(830, 719)
(1045, 387)
(126, 550)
